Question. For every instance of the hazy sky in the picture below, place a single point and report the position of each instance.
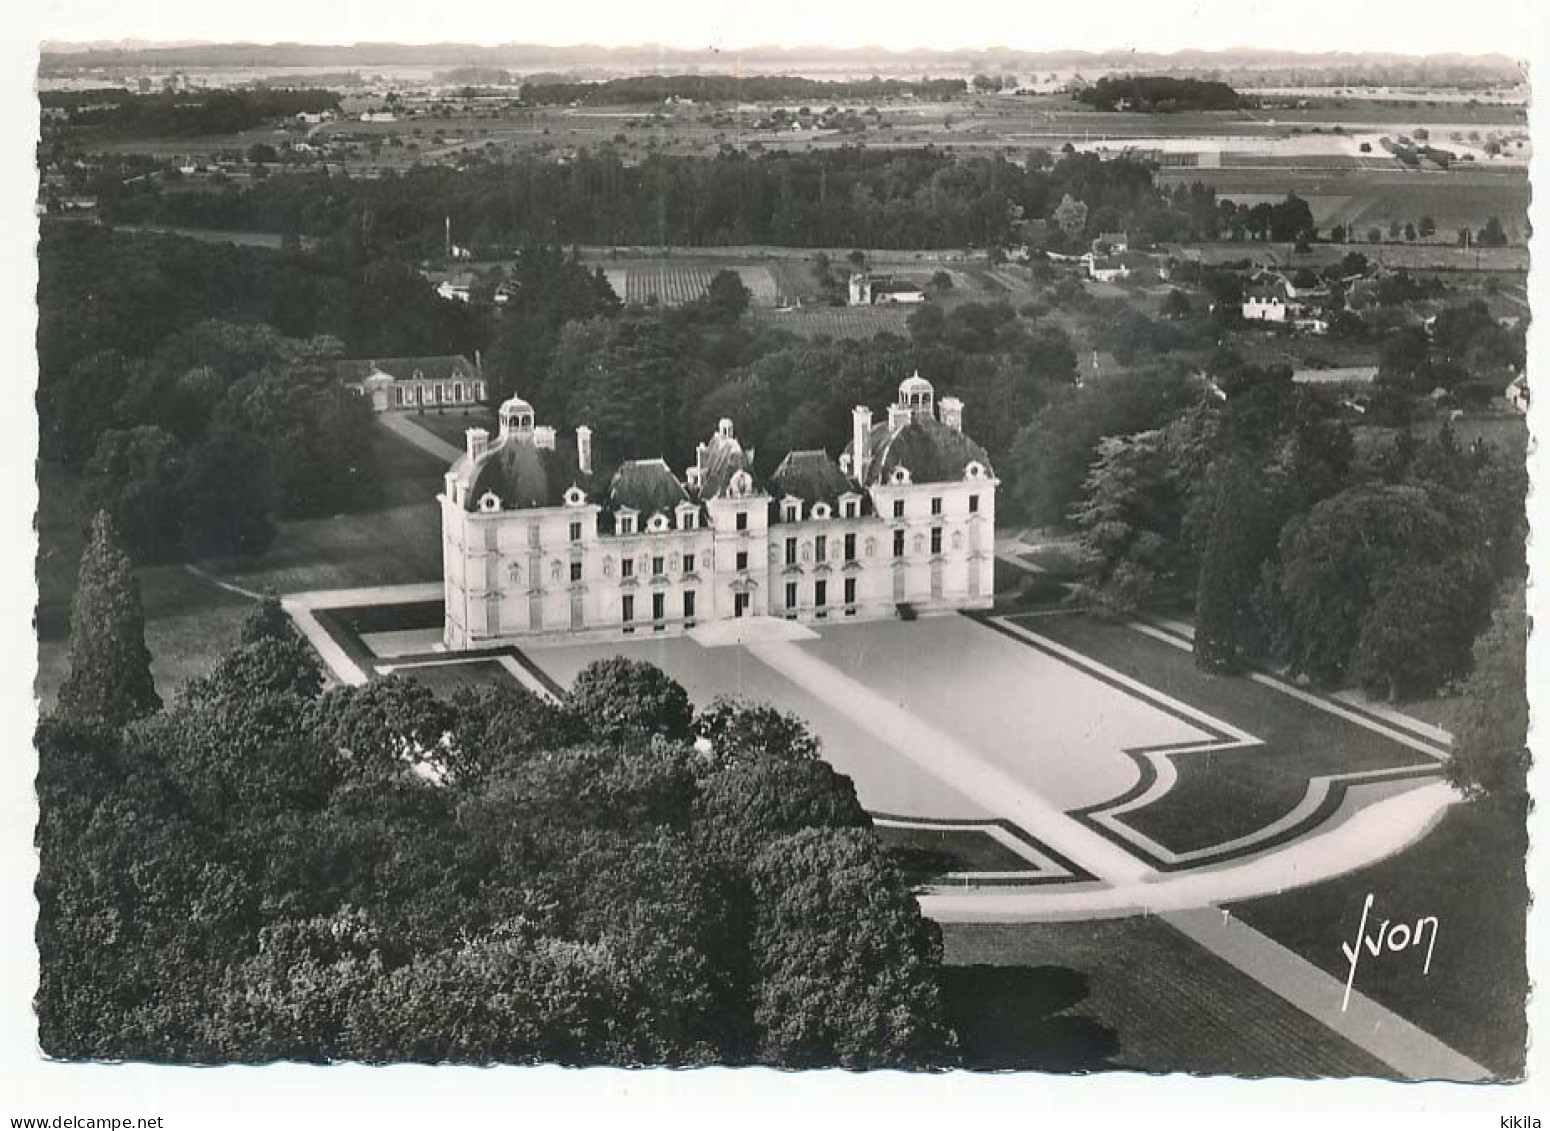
(1419, 26)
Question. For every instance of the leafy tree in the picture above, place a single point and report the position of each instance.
(388, 727)
(727, 298)
(1427, 227)
(1490, 728)
(745, 805)
(225, 512)
(1326, 582)
(1070, 217)
(268, 622)
(856, 988)
(1176, 304)
(1492, 234)
(1052, 454)
(618, 699)
(733, 730)
(135, 476)
(1417, 636)
(110, 667)
(1243, 524)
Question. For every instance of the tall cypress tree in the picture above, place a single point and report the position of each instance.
(110, 666)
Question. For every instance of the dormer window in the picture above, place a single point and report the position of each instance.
(489, 502)
(657, 524)
(820, 510)
(575, 496)
(901, 476)
(975, 470)
(741, 484)
(852, 508)
(688, 519)
(626, 524)
(791, 511)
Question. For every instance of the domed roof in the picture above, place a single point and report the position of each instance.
(930, 450)
(515, 404)
(915, 383)
(524, 475)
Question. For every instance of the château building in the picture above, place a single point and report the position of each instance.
(537, 540)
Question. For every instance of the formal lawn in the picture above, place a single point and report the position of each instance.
(452, 424)
(1126, 994)
(1470, 874)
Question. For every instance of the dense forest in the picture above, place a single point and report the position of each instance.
(268, 870)
(850, 197)
(1159, 94)
(118, 113)
(734, 88)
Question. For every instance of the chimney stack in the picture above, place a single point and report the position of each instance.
(860, 439)
(584, 448)
(543, 437)
(898, 416)
(952, 413)
(478, 442)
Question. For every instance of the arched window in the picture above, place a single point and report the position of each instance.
(489, 502)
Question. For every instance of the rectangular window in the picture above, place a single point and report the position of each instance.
(478, 390)
(898, 508)
(974, 504)
(398, 395)
(628, 603)
(688, 563)
(936, 505)
(742, 520)
(575, 571)
(791, 551)
(626, 524)
(791, 594)
(850, 547)
(658, 566)
(936, 539)
(626, 567)
(850, 508)
(742, 559)
(820, 593)
(793, 512)
(850, 590)
(658, 606)
(688, 522)
(821, 548)
(689, 605)
(457, 390)
(898, 543)
(575, 532)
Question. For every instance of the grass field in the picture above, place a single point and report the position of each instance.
(1469, 873)
(452, 425)
(188, 620)
(1126, 993)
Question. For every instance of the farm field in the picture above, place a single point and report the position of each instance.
(1454, 199)
(675, 283)
(1411, 256)
(838, 321)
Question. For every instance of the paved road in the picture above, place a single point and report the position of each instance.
(421, 438)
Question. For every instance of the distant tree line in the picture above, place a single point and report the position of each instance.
(119, 113)
(853, 196)
(734, 88)
(1159, 94)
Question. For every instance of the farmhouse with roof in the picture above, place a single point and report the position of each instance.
(537, 540)
(869, 290)
(1271, 297)
(415, 382)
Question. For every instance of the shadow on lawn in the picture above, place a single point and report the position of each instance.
(1014, 1017)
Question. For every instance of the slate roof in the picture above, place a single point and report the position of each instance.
(403, 368)
(525, 475)
(647, 486)
(724, 458)
(812, 477)
(930, 450)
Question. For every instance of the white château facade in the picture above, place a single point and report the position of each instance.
(536, 541)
